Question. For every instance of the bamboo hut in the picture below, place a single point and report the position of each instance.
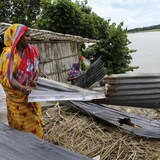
(57, 51)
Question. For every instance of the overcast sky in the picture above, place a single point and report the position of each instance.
(134, 13)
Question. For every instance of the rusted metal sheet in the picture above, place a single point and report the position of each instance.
(138, 125)
(18, 145)
(50, 90)
(136, 90)
(93, 74)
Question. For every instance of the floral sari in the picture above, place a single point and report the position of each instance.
(21, 114)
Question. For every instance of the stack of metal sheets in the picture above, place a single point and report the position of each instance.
(136, 90)
(93, 74)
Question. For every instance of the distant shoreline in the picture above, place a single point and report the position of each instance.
(152, 30)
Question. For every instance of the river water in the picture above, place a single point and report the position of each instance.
(147, 56)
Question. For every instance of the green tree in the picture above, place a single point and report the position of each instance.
(84, 7)
(93, 25)
(113, 48)
(62, 16)
(77, 18)
(19, 11)
(5, 11)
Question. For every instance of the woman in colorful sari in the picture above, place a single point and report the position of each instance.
(18, 69)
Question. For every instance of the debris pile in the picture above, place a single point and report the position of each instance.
(87, 135)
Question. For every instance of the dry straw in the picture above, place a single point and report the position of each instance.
(89, 136)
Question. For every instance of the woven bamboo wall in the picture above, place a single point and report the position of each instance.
(56, 58)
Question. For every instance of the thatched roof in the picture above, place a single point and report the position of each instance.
(45, 35)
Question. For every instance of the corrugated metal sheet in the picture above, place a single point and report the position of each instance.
(45, 35)
(17, 145)
(94, 73)
(136, 90)
(50, 90)
(3, 106)
(138, 125)
(2, 98)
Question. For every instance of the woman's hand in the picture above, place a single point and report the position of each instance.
(17, 86)
(34, 85)
(26, 90)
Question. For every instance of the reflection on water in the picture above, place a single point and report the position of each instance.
(147, 56)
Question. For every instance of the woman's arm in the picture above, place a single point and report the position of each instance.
(17, 86)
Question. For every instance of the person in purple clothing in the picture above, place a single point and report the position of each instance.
(74, 72)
